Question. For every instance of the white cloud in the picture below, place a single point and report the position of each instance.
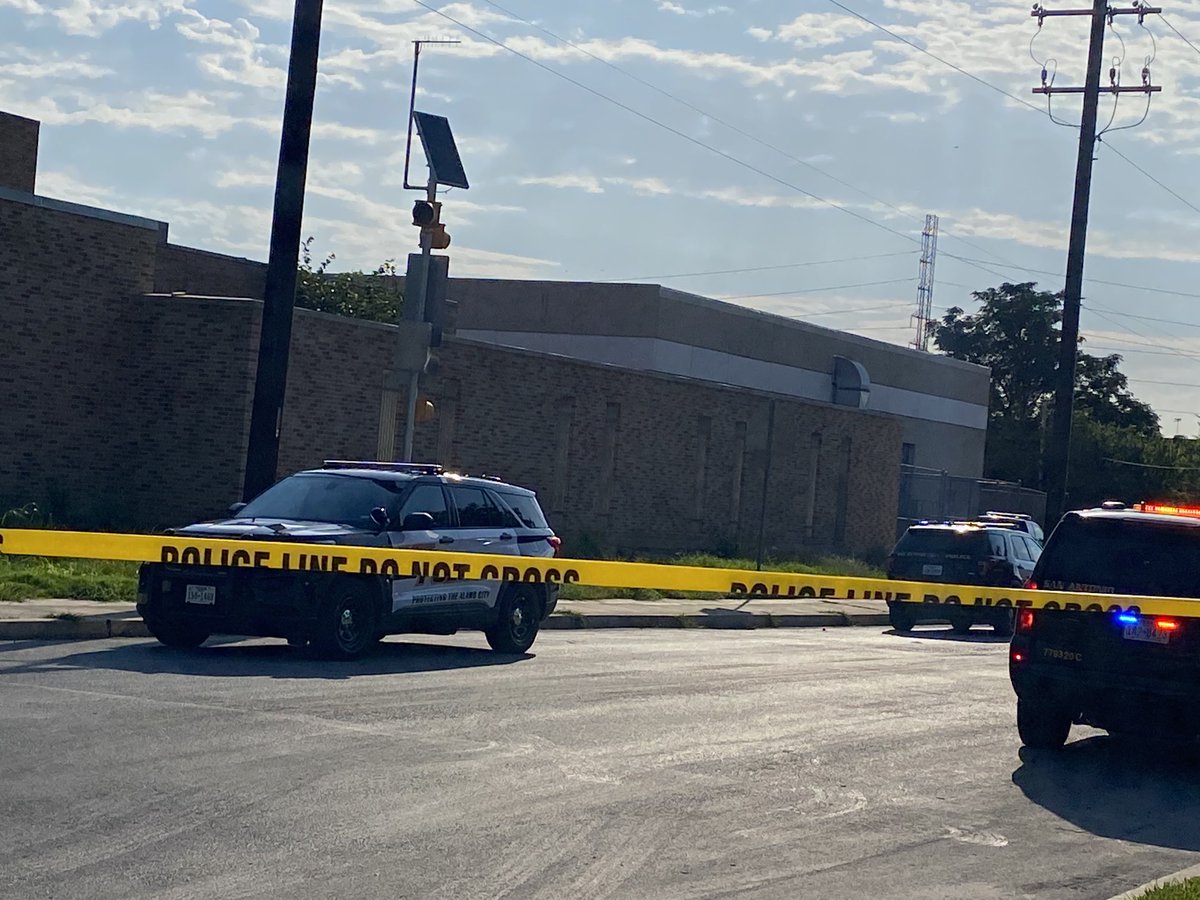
(669, 6)
(94, 17)
(589, 183)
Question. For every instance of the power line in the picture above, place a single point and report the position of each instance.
(944, 62)
(1001, 90)
(1182, 36)
(1173, 193)
(724, 122)
(663, 125)
(1141, 465)
(816, 262)
(696, 141)
(832, 287)
(1120, 284)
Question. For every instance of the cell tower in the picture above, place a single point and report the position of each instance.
(925, 285)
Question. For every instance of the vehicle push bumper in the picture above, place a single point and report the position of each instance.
(229, 601)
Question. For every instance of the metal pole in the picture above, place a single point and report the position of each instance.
(415, 294)
(762, 512)
(1064, 389)
(279, 298)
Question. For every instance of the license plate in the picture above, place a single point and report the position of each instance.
(1147, 633)
(931, 570)
(203, 594)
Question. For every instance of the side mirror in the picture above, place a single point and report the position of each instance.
(380, 517)
(236, 508)
(417, 522)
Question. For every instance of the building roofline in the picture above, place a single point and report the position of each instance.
(79, 209)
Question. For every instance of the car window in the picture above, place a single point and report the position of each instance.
(1035, 549)
(997, 542)
(526, 509)
(338, 499)
(427, 498)
(476, 509)
(948, 541)
(1122, 557)
(1020, 548)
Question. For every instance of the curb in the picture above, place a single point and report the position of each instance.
(1181, 875)
(94, 628)
(70, 629)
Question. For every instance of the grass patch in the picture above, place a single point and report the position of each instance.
(1188, 889)
(816, 565)
(31, 577)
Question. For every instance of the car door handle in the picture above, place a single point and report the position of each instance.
(445, 539)
(505, 536)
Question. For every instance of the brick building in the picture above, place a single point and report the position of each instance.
(126, 376)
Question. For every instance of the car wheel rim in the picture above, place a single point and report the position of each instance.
(348, 632)
(518, 622)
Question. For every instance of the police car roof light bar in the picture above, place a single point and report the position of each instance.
(418, 468)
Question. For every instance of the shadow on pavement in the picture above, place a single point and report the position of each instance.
(1148, 793)
(980, 635)
(234, 659)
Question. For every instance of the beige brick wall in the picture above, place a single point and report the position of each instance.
(18, 152)
(207, 274)
(66, 282)
(135, 408)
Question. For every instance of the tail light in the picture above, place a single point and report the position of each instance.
(1025, 619)
(1166, 624)
(555, 543)
(1031, 585)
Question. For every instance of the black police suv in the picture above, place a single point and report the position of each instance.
(372, 504)
(1119, 671)
(995, 554)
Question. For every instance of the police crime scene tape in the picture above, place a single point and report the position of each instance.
(437, 566)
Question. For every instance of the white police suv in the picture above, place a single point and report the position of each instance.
(400, 505)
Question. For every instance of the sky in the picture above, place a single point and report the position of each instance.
(799, 144)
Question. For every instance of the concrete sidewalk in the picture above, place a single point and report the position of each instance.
(83, 619)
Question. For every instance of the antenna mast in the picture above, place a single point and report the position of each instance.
(925, 286)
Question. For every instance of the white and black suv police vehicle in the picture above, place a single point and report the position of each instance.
(405, 506)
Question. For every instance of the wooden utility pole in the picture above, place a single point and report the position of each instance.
(1058, 448)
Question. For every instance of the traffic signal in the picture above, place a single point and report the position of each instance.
(427, 216)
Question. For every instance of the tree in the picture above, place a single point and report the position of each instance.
(358, 295)
(1016, 334)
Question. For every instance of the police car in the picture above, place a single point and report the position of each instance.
(1117, 670)
(404, 506)
(995, 552)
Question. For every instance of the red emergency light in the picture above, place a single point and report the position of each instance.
(1168, 509)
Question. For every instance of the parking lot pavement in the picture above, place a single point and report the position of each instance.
(797, 763)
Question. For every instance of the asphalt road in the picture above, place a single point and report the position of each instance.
(791, 763)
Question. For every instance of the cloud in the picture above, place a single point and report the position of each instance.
(669, 6)
(589, 183)
(95, 17)
(821, 29)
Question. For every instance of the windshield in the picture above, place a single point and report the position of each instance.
(943, 541)
(339, 499)
(1122, 557)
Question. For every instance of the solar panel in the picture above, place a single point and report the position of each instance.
(440, 150)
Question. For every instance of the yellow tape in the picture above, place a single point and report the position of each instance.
(436, 566)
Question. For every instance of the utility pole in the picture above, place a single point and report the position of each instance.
(279, 298)
(1059, 447)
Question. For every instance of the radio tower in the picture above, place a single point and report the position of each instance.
(925, 285)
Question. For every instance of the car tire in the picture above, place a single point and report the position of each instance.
(177, 635)
(1004, 627)
(346, 626)
(900, 617)
(1042, 724)
(517, 622)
